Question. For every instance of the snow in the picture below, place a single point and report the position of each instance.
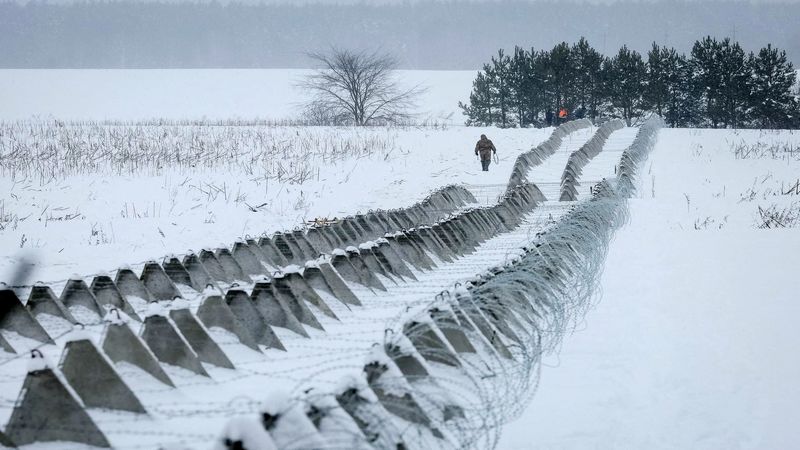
(195, 94)
(693, 342)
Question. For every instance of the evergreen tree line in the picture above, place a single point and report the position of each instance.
(716, 85)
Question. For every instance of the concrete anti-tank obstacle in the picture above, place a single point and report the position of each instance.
(131, 286)
(317, 240)
(286, 250)
(42, 300)
(393, 259)
(338, 287)
(213, 267)
(401, 245)
(305, 245)
(6, 442)
(106, 293)
(247, 260)
(95, 380)
(483, 325)
(284, 293)
(276, 310)
(14, 317)
(158, 283)
(5, 346)
(403, 406)
(207, 350)
(371, 417)
(443, 250)
(333, 424)
(200, 278)
(214, 312)
(410, 366)
(76, 293)
(120, 344)
(341, 263)
(168, 345)
(177, 273)
(451, 330)
(364, 274)
(428, 343)
(373, 264)
(258, 252)
(288, 425)
(48, 412)
(302, 290)
(229, 264)
(251, 319)
(300, 254)
(271, 252)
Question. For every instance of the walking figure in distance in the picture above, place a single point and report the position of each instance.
(485, 148)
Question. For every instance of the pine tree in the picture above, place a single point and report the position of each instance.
(627, 74)
(773, 103)
(479, 108)
(588, 78)
(561, 80)
(499, 76)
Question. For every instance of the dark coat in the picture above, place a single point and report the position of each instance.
(485, 148)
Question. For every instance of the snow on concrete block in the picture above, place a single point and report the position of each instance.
(375, 423)
(48, 412)
(120, 344)
(214, 312)
(245, 433)
(158, 283)
(131, 286)
(275, 309)
(332, 422)
(230, 265)
(109, 296)
(283, 292)
(42, 300)
(286, 422)
(429, 345)
(303, 291)
(207, 350)
(250, 318)
(14, 317)
(77, 296)
(169, 346)
(394, 394)
(344, 268)
(95, 380)
(249, 263)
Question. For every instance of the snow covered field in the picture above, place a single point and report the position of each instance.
(691, 343)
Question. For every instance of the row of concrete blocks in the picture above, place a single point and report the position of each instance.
(181, 340)
(581, 157)
(538, 154)
(350, 414)
(246, 259)
(399, 395)
(394, 395)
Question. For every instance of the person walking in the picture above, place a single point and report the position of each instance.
(485, 148)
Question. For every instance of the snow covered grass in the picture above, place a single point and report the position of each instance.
(85, 198)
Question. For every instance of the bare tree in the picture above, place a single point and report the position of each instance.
(358, 89)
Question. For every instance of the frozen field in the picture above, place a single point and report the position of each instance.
(690, 342)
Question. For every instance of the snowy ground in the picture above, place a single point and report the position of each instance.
(692, 344)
